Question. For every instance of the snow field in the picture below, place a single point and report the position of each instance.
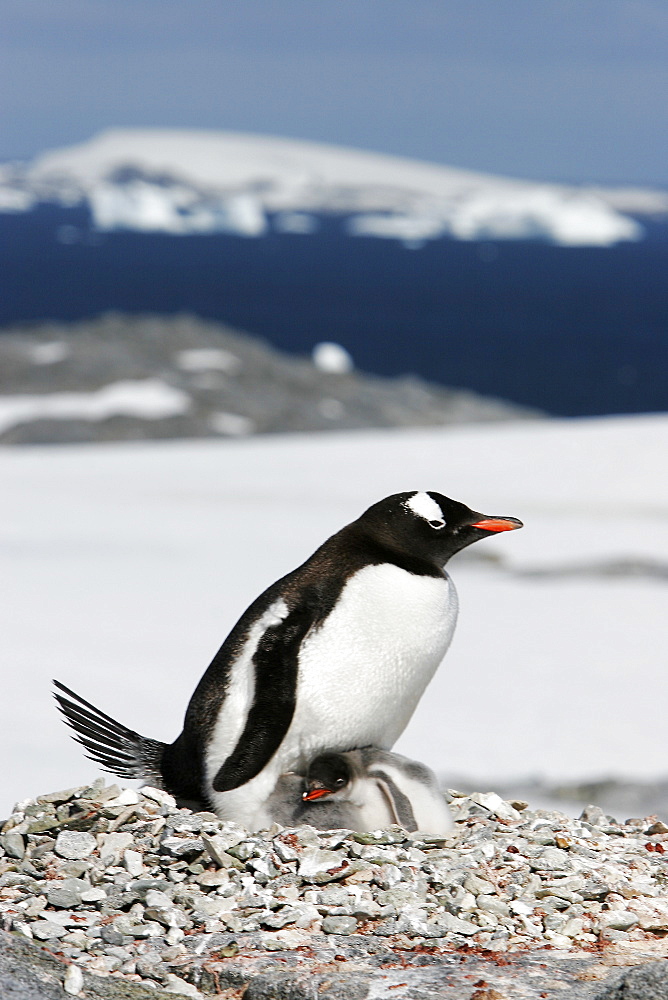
(124, 567)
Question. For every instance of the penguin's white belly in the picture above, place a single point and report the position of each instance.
(362, 673)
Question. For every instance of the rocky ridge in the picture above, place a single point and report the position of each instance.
(131, 896)
(122, 377)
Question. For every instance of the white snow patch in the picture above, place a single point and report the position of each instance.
(14, 199)
(49, 354)
(296, 222)
(409, 228)
(232, 424)
(149, 399)
(203, 359)
(332, 358)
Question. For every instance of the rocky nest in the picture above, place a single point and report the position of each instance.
(126, 887)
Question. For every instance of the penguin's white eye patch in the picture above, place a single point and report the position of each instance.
(437, 524)
(424, 506)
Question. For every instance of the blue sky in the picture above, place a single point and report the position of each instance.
(550, 89)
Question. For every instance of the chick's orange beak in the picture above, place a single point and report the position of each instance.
(315, 793)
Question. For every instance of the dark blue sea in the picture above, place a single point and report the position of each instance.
(571, 330)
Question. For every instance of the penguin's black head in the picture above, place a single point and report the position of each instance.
(327, 774)
(429, 526)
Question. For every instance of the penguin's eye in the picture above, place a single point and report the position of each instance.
(437, 524)
(339, 782)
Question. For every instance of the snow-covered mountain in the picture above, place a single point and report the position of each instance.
(182, 181)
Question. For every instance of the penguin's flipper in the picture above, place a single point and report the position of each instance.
(276, 663)
(118, 749)
(399, 803)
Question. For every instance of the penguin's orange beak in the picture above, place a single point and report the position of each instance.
(498, 524)
(315, 793)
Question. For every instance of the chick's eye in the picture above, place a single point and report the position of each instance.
(437, 524)
(340, 781)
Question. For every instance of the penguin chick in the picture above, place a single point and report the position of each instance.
(362, 790)
(334, 655)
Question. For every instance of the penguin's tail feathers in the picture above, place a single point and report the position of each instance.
(116, 748)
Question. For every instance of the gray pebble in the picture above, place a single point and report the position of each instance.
(111, 935)
(67, 893)
(13, 844)
(339, 925)
(46, 929)
(74, 845)
(447, 923)
(151, 966)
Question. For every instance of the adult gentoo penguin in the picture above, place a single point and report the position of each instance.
(362, 790)
(335, 655)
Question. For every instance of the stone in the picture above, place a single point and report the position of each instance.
(652, 913)
(496, 805)
(619, 920)
(151, 966)
(216, 848)
(281, 918)
(74, 845)
(57, 797)
(170, 916)
(180, 847)
(13, 844)
(93, 895)
(128, 797)
(491, 904)
(282, 986)
(593, 815)
(284, 852)
(111, 935)
(73, 982)
(46, 929)
(648, 982)
(477, 886)
(112, 846)
(173, 984)
(174, 936)
(552, 859)
(159, 795)
(339, 925)
(447, 923)
(157, 898)
(320, 865)
(67, 893)
(133, 862)
(212, 879)
(75, 869)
